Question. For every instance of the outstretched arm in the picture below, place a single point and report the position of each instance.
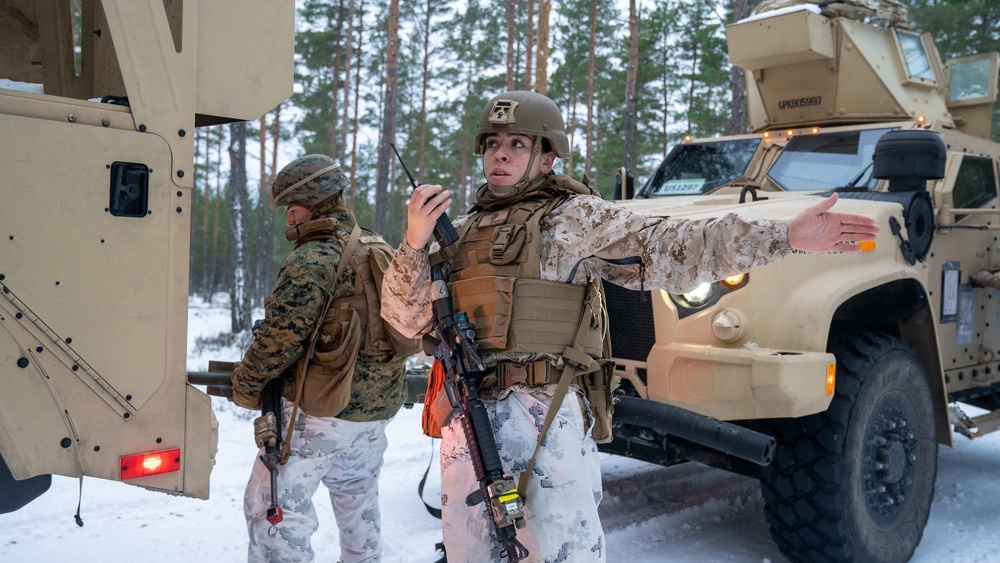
(817, 229)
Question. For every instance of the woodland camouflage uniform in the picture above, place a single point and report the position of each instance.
(576, 239)
(342, 452)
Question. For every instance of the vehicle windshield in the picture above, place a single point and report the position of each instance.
(825, 161)
(698, 168)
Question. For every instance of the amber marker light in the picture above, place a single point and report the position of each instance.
(920, 119)
(867, 246)
(152, 463)
(734, 280)
(766, 134)
(687, 138)
(790, 133)
(815, 129)
(831, 378)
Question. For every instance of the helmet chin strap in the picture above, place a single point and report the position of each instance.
(501, 191)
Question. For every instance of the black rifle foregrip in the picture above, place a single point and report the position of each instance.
(488, 449)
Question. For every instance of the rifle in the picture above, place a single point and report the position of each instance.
(270, 421)
(455, 347)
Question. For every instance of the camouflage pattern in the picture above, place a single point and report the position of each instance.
(346, 457)
(563, 492)
(290, 315)
(314, 193)
(676, 254)
(526, 113)
(343, 452)
(561, 517)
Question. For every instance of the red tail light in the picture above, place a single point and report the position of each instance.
(152, 463)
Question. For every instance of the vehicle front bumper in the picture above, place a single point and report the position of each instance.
(739, 383)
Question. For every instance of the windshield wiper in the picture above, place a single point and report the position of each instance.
(857, 178)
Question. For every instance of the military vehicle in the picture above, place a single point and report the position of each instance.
(859, 364)
(98, 110)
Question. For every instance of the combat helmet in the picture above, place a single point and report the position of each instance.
(526, 113)
(313, 181)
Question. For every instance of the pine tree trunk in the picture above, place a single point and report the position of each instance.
(207, 206)
(239, 295)
(335, 84)
(347, 81)
(591, 71)
(542, 64)
(597, 139)
(268, 254)
(510, 44)
(383, 204)
(737, 84)
(628, 157)
(694, 70)
(666, 91)
(529, 37)
(259, 284)
(216, 251)
(423, 95)
(464, 183)
(572, 133)
(354, 128)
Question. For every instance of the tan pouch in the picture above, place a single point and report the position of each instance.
(327, 387)
(488, 301)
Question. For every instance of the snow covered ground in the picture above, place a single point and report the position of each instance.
(686, 513)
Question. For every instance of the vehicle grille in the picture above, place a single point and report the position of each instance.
(631, 316)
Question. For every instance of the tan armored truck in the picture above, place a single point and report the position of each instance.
(858, 364)
(98, 110)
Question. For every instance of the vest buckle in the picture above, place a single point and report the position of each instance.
(507, 241)
(531, 373)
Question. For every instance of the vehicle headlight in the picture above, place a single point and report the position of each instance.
(707, 294)
(698, 297)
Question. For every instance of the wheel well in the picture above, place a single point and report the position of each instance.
(900, 308)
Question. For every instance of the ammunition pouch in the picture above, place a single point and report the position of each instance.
(526, 315)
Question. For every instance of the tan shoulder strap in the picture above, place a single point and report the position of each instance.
(532, 267)
(300, 367)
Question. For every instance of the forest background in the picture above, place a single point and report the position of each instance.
(632, 78)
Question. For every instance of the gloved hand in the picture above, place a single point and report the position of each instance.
(265, 430)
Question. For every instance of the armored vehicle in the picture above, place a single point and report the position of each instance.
(98, 109)
(858, 364)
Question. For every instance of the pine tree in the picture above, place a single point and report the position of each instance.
(383, 189)
(239, 291)
(960, 28)
(628, 150)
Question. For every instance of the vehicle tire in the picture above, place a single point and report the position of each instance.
(855, 483)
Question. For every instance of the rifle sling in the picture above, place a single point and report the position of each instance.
(577, 362)
(300, 367)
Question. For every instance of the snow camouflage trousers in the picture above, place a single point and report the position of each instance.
(562, 495)
(346, 457)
